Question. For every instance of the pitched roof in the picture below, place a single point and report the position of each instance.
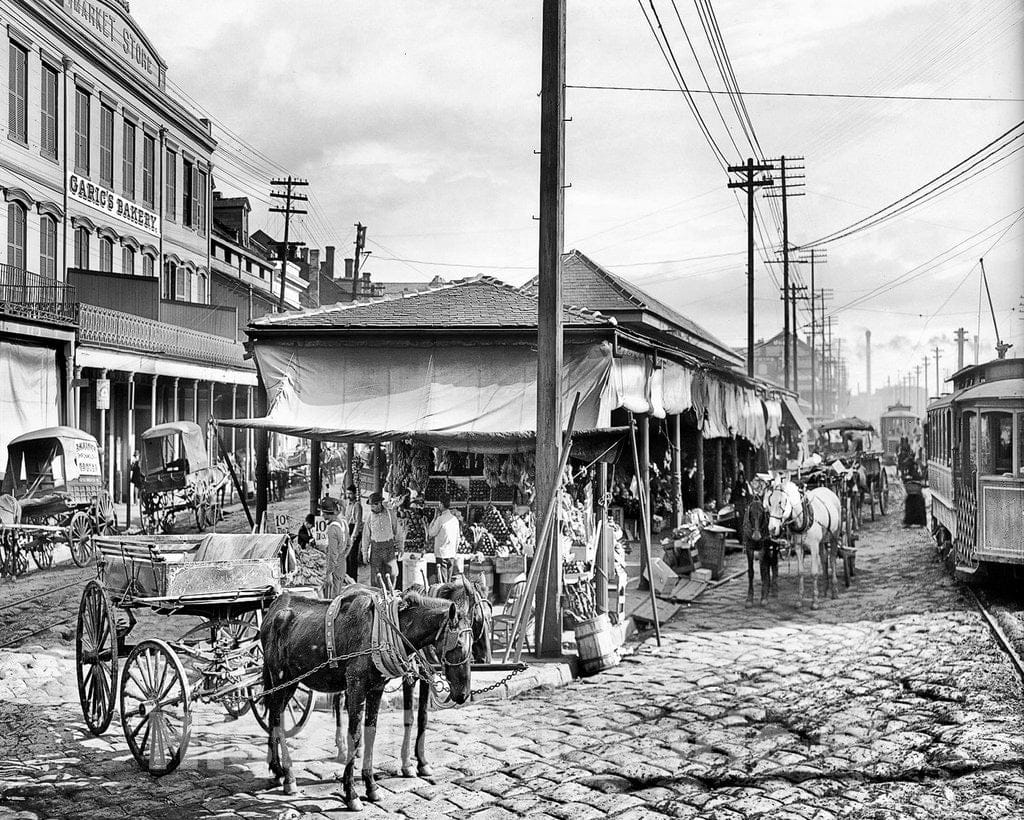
(587, 283)
(481, 301)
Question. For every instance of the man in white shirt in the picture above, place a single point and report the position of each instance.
(445, 530)
(380, 549)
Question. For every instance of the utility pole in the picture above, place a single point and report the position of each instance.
(548, 618)
(938, 386)
(924, 370)
(917, 383)
(288, 196)
(786, 178)
(356, 261)
(961, 340)
(815, 255)
(749, 184)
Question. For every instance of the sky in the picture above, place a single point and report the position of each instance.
(420, 119)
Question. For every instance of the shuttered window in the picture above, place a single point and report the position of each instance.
(128, 166)
(107, 146)
(147, 265)
(200, 198)
(128, 261)
(106, 254)
(167, 283)
(18, 94)
(82, 101)
(48, 113)
(187, 205)
(148, 169)
(16, 235)
(47, 247)
(171, 186)
(82, 248)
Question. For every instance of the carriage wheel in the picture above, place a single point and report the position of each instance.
(96, 658)
(79, 535)
(295, 714)
(217, 659)
(883, 493)
(156, 709)
(15, 559)
(106, 516)
(871, 496)
(42, 552)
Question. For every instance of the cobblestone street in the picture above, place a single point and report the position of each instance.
(892, 701)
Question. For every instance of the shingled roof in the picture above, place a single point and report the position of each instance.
(481, 301)
(586, 283)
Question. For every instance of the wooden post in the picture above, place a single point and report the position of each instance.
(700, 467)
(734, 453)
(602, 561)
(314, 476)
(677, 471)
(719, 476)
(131, 449)
(378, 457)
(645, 545)
(350, 454)
(549, 306)
(643, 481)
(262, 442)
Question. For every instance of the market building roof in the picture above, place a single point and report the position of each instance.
(481, 301)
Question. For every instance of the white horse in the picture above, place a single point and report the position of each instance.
(816, 525)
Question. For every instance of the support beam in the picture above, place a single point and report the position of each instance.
(152, 402)
(262, 456)
(130, 449)
(604, 558)
(719, 474)
(314, 476)
(677, 471)
(700, 467)
(643, 481)
(378, 474)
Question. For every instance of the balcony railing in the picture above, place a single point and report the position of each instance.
(111, 328)
(31, 296)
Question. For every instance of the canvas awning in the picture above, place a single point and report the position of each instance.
(793, 413)
(481, 398)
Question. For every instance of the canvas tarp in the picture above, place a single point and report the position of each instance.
(481, 397)
(29, 391)
(795, 414)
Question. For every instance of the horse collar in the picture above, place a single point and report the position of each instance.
(806, 517)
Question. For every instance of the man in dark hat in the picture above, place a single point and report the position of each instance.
(381, 547)
(338, 545)
(354, 515)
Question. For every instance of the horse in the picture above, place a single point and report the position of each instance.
(754, 533)
(294, 636)
(463, 592)
(814, 518)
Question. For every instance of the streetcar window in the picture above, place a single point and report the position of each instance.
(1020, 444)
(997, 443)
(969, 444)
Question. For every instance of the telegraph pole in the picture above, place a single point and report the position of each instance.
(961, 340)
(938, 386)
(549, 320)
(288, 196)
(749, 184)
(360, 244)
(786, 178)
(815, 255)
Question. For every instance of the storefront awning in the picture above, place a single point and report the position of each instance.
(794, 415)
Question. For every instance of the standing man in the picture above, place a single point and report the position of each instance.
(337, 549)
(354, 514)
(381, 548)
(444, 529)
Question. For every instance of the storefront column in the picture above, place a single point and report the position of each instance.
(174, 410)
(718, 474)
(644, 486)
(734, 452)
(378, 479)
(234, 415)
(152, 402)
(262, 459)
(700, 469)
(677, 471)
(249, 438)
(130, 445)
(314, 476)
(195, 400)
(350, 454)
(107, 456)
(79, 397)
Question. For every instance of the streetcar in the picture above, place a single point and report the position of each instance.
(975, 441)
(896, 423)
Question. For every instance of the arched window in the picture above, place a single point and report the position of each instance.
(82, 247)
(167, 283)
(128, 261)
(201, 288)
(106, 254)
(47, 247)
(147, 265)
(16, 235)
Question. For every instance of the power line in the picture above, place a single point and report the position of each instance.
(810, 94)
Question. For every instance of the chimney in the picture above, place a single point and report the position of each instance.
(867, 341)
(328, 268)
(348, 267)
(313, 292)
(304, 255)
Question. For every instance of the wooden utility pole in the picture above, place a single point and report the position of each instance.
(748, 183)
(938, 384)
(360, 245)
(549, 319)
(288, 196)
(787, 178)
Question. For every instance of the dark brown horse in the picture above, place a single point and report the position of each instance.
(473, 598)
(754, 531)
(294, 638)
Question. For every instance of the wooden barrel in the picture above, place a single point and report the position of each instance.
(596, 645)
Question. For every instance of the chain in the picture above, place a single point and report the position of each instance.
(329, 662)
(520, 668)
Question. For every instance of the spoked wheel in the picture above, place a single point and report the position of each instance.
(79, 535)
(42, 552)
(883, 493)
(221, 651)
(204, 511)
(156, 710)
(96, 658)
(15, 557)
(106, 516)
(295, 714)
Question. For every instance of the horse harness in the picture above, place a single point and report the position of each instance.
(385, 637)
(806, 517)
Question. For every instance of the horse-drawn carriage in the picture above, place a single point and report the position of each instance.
(853, 441)
(225, 580)
(52, 493)
(177, 477)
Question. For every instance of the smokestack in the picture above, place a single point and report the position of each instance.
(867, 340)
(328, 266)
(348, 267)
(976, 341)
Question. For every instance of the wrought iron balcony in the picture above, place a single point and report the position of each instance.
(30, 296)
(123, 331)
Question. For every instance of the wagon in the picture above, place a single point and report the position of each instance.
(52, 493)
(177, 477)
(853, 438)
(226, 581)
